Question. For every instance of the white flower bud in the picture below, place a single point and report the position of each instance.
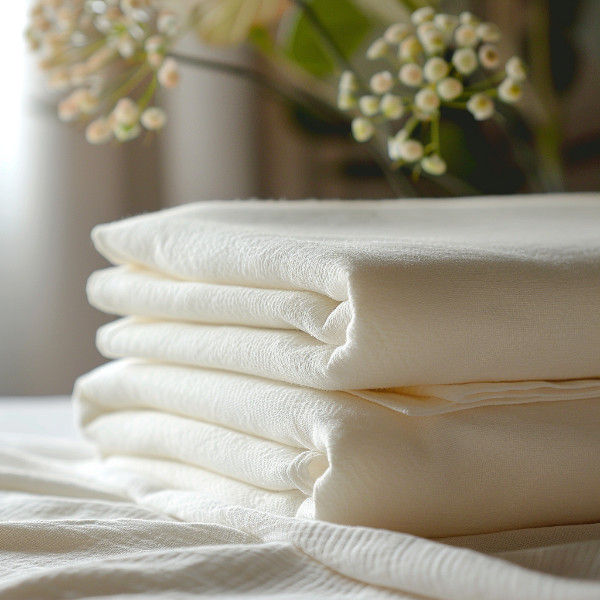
(468, 18)
(124, 133)
(167, 22)
(362, 129)
(489, 56)
(153, 118)
(433, 41)
(481, 106)
(168, 74)
(515, 69)
(59, 79)
(155, 43)
(422, 14)
(411, 75)
(409, 48)
(446, 23)
(98, 131)
(378, 49)
(68, 109)
(395, 33)
(369, 105)
(348, 81)
(435, 68)
(126, 112)
(466, 36)
(411, 150)
(510, 91)
(382, 82)
(489, 32)
(85, 100)
(394, 150)
(449, 88)
(126, 46)
(427, 100)
(392, 107)
(434, 164)
(465, 60)
(346, 100)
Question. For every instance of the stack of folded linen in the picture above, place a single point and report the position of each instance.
(425, 366)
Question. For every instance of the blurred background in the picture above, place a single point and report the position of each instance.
(230, 138)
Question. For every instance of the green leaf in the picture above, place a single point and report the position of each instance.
(345, 24)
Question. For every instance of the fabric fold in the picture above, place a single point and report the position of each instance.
(371, 294)
(337, 457)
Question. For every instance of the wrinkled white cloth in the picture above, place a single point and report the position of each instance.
(338, 457)
(71, 528)
(351, 295)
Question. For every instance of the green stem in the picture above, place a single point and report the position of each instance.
(289, 94)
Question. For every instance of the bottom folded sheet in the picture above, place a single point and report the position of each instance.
(338, 457)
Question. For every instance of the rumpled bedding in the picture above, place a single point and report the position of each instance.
(74, 527)
(356, 295)
(424, 366)
(338, 457)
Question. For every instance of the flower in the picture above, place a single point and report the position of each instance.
(434, 164)
(109, 55)
(392, 106)
(449, 88)
(369, 105)
(382, 82)
(362, 129)
(421, 15)
(395, 33)
(427, 100)
(426, 83)
(153, 118)
(465, 61)
(515, 69)
(481, 106)
(466, 35)
(378, 49)
(99, 131)
(411, 75)
(168, 74)
(411, 150)
(436, 68)
(489, 57)
(510, 91)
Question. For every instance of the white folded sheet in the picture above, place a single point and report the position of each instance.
(335, 456)
(72, 528)
(364, 294)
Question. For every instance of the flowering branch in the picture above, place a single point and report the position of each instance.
(438, 59)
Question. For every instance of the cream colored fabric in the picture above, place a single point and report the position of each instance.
(338, 457)
(362, 294)
(72, 528)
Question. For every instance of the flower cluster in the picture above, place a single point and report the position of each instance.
(111, 56)
(435, 60)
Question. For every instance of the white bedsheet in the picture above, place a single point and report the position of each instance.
(360, 295)
(338, 457)
(70, 527)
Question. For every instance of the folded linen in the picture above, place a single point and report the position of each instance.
(335, 456)
(365, 294)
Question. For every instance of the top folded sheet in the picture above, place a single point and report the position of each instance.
(379, 294)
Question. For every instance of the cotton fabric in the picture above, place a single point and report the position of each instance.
(339, 457)
(71, 527)
(364, 294)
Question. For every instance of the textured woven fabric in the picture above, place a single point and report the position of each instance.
(362, 295)
(338, 457)
(72, 528)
